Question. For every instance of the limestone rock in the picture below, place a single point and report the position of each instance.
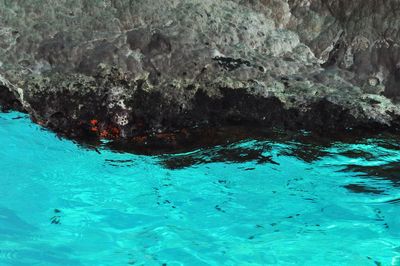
(122, 69)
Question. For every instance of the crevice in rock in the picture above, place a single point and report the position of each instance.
(8, 101)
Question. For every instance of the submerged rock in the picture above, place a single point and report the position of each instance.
(157, 70)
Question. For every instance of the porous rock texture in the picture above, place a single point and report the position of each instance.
(140, 69)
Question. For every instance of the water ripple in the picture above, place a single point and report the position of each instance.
(254, 202)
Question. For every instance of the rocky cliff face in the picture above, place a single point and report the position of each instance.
(122, 69)
(358, 36)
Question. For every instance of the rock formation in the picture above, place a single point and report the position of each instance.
(131, 70)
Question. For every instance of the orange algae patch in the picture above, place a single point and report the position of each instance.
(110, 133)
(104, 134)
(115, 131)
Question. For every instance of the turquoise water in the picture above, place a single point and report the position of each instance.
(248, 203)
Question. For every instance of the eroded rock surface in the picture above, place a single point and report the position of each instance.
(143, 69)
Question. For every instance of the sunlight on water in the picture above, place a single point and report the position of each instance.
(249, 203)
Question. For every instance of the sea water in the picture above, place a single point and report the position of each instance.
(247, 203)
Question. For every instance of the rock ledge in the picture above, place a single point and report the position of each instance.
(160, 71)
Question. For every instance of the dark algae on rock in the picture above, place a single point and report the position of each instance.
(170, 72)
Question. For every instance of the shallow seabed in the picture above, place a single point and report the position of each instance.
(247, 203)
